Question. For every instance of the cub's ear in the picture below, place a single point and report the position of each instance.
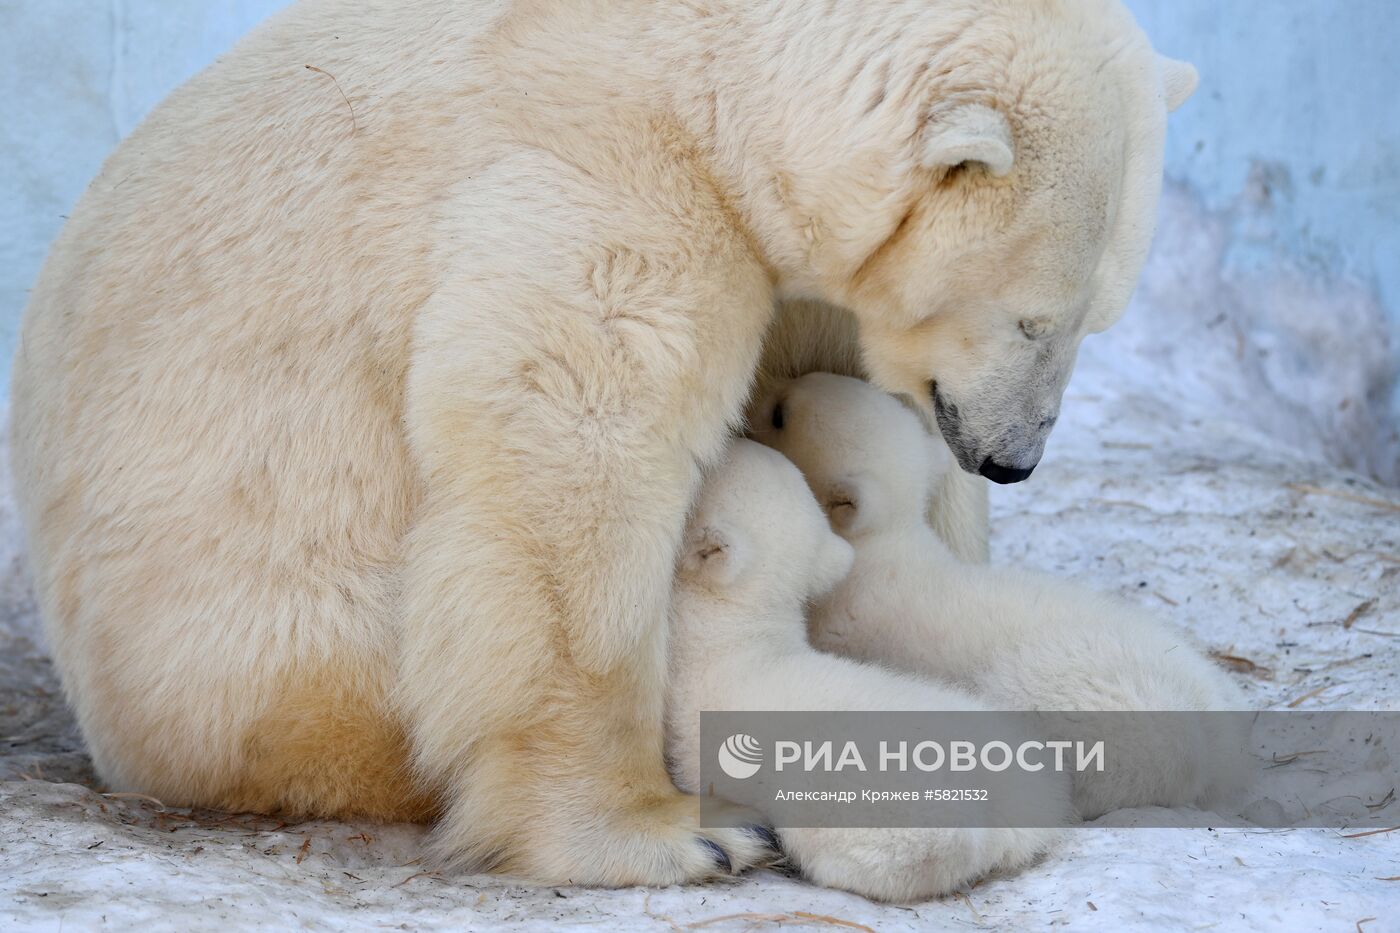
(854, 505)
(714, 554)
(969, 133)
(1179, 80)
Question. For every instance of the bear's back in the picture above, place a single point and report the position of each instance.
(207, 403)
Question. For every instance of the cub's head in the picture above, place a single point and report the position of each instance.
(756, 535)
(865, 455)
(978, 184)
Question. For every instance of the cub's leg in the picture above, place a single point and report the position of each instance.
(1074, 650)
(809, 336)
(958, 513)
(890, 863)
(1031, 642)
(562, 404)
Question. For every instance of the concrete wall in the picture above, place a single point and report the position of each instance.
(1283, 212)
(1276, 275)
(1302, 96)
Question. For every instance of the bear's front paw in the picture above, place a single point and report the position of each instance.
(770, 850)
(662, 844)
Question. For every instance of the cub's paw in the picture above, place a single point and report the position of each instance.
(1012, 849)
(906, 865)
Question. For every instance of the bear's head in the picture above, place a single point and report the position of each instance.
(758, 537)
(977, 182)
(865, 455)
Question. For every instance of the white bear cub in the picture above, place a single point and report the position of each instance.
(1017, 639)
(757, 550)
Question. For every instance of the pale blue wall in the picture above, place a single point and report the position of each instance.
(1302, 96)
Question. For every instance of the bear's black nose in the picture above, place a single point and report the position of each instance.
(1004, 476)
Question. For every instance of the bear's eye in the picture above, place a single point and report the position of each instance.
(778, 417)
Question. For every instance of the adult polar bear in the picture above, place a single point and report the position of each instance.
(361, 402)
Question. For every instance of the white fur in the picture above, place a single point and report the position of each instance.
(1019, 640)
(757, 551)
(810, 336)
(359, 407)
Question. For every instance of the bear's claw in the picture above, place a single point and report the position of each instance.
(766, 836)
(721, 857)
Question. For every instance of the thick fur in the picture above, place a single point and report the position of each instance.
(809, 336)
(757, 551)
(359, 407)
(1019, 640)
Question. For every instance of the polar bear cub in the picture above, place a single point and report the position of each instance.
(1019, 640)
(757, 550)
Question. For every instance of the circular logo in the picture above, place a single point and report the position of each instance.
(740, 756)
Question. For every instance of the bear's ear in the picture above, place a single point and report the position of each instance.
(969, 133)
(712, 554)
(854, 506)
(1179, 80)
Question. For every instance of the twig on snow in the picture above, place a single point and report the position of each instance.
(1339, 494)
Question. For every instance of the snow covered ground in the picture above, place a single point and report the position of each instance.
(1161, 483)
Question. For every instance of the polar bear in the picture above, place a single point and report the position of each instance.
(756, 552)
(359, 406)
(1017, 639)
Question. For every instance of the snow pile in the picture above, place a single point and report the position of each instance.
(1174, 479)
(1289, 346)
